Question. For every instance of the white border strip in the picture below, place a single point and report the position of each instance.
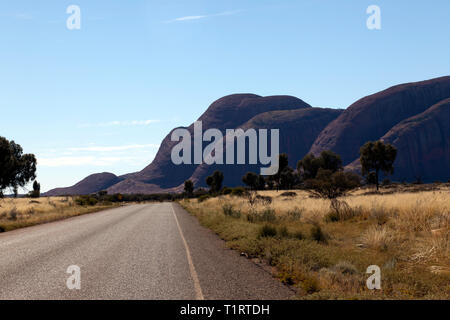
(198, 289)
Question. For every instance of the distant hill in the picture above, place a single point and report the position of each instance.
(414, 117)
(93, 183)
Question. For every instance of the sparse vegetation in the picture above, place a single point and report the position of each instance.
(324, 253)
(23, 212)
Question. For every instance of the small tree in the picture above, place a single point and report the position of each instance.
(261, 183)
(36, 193)
(282, 177)
(189, 187)
(16, 168)
(287, 178)
(251, 180)
(375, 157)
(215, 181)
(310, 165)
(329, 185)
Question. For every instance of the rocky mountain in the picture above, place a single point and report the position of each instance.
(423, 144)
(93, 183)
(298, 129)
(414, 117)
(371, 117)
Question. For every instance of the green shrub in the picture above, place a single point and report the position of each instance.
(264, 200)
(310, 285)
(203, 197)
(298, 235)
(267, 230)
(229, 211)
(294, 214)
(239, 192)
(13, 214)
(226, 190)
(345, 267)
(332, 216)
(86, 201)
(317, 234)
(267, 215)
(283, 232)
(341, 211)
(288, 194)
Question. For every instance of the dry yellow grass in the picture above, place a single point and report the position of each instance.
(23, 212)
(406, 233)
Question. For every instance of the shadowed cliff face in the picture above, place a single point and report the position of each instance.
(371, 117)
(229, 112)
(423, 144)
(298, 130)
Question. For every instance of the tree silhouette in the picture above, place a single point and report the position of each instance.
(375, 157)
(251, 180)
(215, 181)
(310, 165)
(36, 193)
(284, 178)
(16, 168)
(189, 187)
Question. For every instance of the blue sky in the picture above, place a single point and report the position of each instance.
(103, 97)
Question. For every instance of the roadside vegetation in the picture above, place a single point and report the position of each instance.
(323, 252)
(319, 228)
(24, 212)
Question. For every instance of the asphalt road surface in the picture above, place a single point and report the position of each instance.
(149, 251)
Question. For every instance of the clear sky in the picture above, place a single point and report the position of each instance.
(102, 98)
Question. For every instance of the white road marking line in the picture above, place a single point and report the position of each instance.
(198, 289)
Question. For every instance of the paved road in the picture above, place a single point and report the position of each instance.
(151, 251)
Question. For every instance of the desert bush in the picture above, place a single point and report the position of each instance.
(345, 267)
(229, 211)
(341, 211)
(310, 285)
(377, 237)
(264, 200)
(238, 192)
(294, 214)
(13, 214)
(266, 215)
(380, 214)
(288, 194)
(226, 191)
(267, 230)
(317, 234)
(283, 232)
(203, 197)
(82, 201)
(298, 235)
